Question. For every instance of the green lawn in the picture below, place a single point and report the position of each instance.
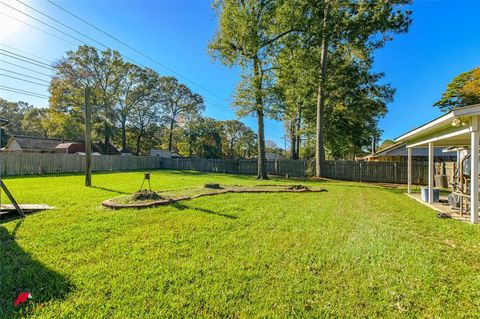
(355, 251)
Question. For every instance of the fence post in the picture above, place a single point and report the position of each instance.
(361, 172)
(395, 172)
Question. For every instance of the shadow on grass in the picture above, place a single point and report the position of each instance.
(180, 206)
(153, 170)
(19, 272)
(296, 179)
(111, 190)
(201, 173)
(10, 216)
(392, 188)
(183, 172)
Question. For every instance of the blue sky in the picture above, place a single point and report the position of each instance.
(443, 41)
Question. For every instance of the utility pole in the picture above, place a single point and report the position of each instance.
(88, 139)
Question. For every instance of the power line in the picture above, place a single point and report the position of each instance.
(65, 33)
(37, 28)
(81, 41)
(17, 56)
(25, 75)
(63, 24)
(42, 22)
(28, 76)
(24, 52)
(25, 68)
(20, 79)
(214, 103)
(13, 53)
(10, 89)
(39, 63)
(26, 59)
(52, 68)
(86, 36)
(12, 56)
(136, 50)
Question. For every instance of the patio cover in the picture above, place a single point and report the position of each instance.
(459, 127)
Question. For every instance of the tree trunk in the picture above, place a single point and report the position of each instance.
(299, 136)
(293, 140)
(139, 137)
(88, 140)
(262, 163)
(190, 142)
(170, 135)
(107, 138)
(124, 135)
(320, 149)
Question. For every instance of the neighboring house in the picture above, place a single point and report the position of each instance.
(109, 150)
(398, 153)
(273, 156)
(163, 153)
(33, 144)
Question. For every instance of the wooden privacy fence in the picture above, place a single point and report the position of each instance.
(37, 163)
(296, 168)
(379, 172)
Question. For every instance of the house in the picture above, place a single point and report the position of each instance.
(459, 128)
(398, 153)
(109, 150)
(32, 144)
(79, 148)
(163, 153)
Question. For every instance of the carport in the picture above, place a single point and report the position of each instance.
(459, 127)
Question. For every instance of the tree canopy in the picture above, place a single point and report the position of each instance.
(247, 37)
(463, 90)
(309, 64)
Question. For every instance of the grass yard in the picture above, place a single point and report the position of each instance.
(355, 251)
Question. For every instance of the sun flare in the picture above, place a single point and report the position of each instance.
(11, 20)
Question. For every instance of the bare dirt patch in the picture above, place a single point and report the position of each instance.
(145, 195)
(152, 199)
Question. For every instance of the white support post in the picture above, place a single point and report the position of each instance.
(430, 172)
(458, 159)
(409, 169)
(474, 177)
